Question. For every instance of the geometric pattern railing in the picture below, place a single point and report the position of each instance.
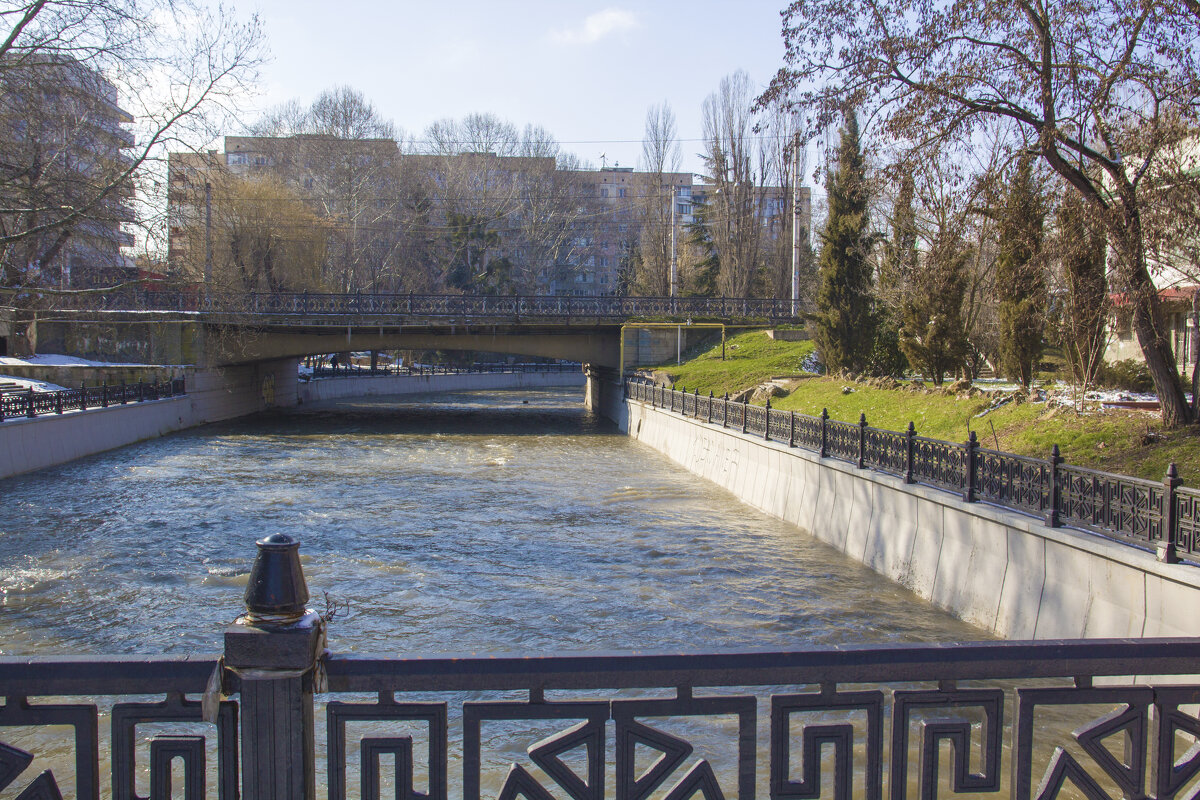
(1163, 515)
(902, 720)
(29, 404)
(431, 306)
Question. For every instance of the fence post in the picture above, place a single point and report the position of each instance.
(696, 410)
(710, 404)
(1166, 545)
(767, 426)
(971, 453)
(124, 394)
(83, 396)
(141, 391)
(58, 402)
(1053, 499)
(910, 435)
(725, 412)
(745, 408)
(791, 429)
(275, 650)
(824, 432)
(862, 440)
(29, 410)
(104, 395)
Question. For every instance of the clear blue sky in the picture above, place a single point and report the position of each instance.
(586, 71)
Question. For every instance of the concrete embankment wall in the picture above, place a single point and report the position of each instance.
(334, 389)
(1002, 571)
(212, 395)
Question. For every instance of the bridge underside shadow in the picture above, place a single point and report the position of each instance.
(226, 346)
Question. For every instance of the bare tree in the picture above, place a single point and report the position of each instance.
(73, 73)
(342, 156)
(655, 195)
(736, 172)
(1094, 86)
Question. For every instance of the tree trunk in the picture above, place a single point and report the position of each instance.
(1148, 322)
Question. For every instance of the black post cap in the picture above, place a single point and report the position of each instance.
(276, 591)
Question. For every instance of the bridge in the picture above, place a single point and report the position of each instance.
(240, 328)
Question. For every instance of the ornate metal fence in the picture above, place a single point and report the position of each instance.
(28, 404)
(1016, 719)
(1162, 515)
(433, 306)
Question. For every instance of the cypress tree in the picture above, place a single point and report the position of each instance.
(896, 271)
(932, 334)
(1020, 278)
(844, 328)
(1084, 318)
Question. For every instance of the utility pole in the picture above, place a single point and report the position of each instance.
(207, 237)
(674, 258)
(796, 226)
(675, 280)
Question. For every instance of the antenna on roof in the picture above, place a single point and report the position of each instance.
(603, 160)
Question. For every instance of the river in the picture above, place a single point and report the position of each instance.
(480, 522)
(473, 522)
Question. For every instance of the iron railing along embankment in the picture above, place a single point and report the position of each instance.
(385, 370)
(927, 720)
(29, 404)
(431, 306)
(1163, 515)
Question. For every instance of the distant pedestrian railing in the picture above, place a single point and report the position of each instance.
(384, 370)
(1163, 515)
(28, 404)
(1018, 719)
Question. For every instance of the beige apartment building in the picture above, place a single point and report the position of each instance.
(475, 222)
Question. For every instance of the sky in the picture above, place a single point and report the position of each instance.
(586, 71)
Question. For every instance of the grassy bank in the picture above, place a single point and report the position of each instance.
(1131, 443)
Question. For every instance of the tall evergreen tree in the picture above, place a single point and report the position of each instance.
(845, 321)
(1083, 322)
(932, 335)
(896, 271)
(1020, 276)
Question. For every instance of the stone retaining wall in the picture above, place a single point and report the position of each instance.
(1002, 571)
(219, 394)
(212, 395)
(324, 389)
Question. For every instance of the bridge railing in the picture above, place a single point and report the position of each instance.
(357, 371)
(315, 305)
(277, 709)
(28, 404)
(1163, 515)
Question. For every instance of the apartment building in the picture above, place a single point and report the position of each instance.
(472, 222)
(64, 138)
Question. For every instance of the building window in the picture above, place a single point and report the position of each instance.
(621, 192)
(604, 191)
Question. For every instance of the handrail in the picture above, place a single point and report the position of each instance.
(30, 404)
(354, 371)
(316, 305)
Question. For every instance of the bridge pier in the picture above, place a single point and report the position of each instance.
(604, 394)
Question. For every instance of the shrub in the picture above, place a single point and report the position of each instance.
(1129, 374)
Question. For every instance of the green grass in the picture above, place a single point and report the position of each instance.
(750, 359)
(1130, 443)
